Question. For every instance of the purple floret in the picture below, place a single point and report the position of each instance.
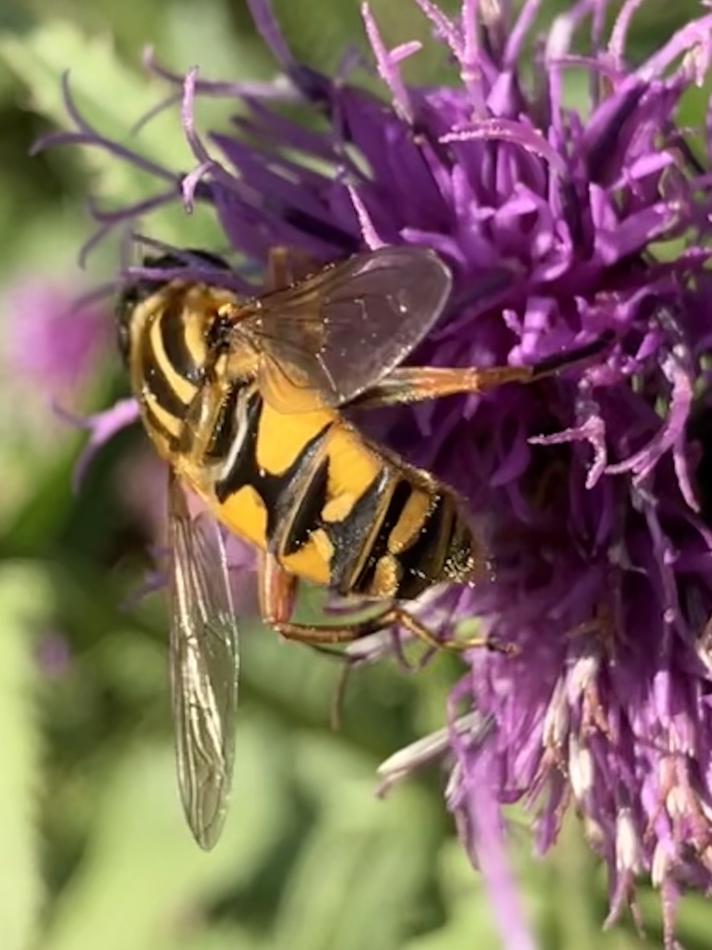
(56, 340)
(594, 487)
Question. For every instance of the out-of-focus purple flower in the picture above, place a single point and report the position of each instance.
(141, 485)
(53, 654)
(559, 226)
(54, 344)
(102, 426)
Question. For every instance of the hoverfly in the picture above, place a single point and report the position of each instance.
(243, 399)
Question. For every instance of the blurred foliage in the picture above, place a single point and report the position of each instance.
(96, 853)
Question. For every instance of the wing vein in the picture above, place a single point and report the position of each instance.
(204, 667)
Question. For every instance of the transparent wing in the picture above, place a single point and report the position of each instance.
(204, 667)
(331, 336)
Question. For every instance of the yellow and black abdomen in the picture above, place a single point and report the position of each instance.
(333, 508)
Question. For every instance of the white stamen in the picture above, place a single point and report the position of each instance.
(628, 855)
(556, 719)
(593, 832)
(676, 802)
(582, 674)
(453, 784)
(399, 765)
(660, 865)
(580, 767)
(705, 809)
(559, 41)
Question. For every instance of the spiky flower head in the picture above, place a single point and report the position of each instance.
(560, 225)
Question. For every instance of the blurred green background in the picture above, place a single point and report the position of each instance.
(95, 850)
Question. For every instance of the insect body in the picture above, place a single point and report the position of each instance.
(304, 486)
(243, 399)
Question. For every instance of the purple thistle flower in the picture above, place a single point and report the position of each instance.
(559, 226)
(56, 340)
(102, 427)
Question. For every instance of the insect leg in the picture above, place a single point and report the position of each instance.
(285, 266)
(397, 616)
(277, 598)
(277, 595)
(279, 273)
(407, 384)
(277, 590)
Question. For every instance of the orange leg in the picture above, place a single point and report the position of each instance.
(407, 384)
(277, 599)
(418, 383)
(285, 266)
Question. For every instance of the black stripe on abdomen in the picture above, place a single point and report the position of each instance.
(423, 562)
(154, 379)
(280, 493)
(361, 584)
(307, 512)
(236, 433)
(175, 344)
(349, 535)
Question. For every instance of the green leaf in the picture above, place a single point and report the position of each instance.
(563, 896)
(320, 34)
(359, 876)
(221, 938)
(694, 920)
(204, 33)
(25, 599)
(469, 919)
(109, 94)
(142, 874)
(112, 97)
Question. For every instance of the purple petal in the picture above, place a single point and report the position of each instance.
(507, 130)
(102, 427)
